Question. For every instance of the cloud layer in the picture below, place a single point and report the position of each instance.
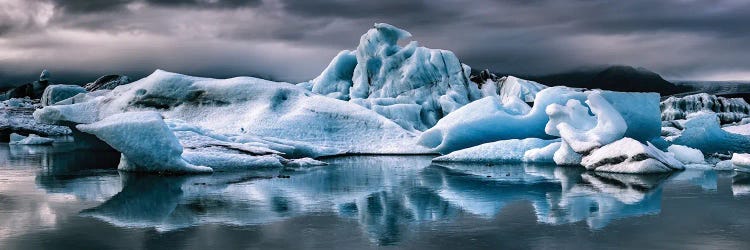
(293, 41)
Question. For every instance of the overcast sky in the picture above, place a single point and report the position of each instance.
(293, 40)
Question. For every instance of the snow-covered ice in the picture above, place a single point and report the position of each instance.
(411, 85)
(687, 155)
(246, 105)
(145, 141)
(501, 152)
(741, 162)
(630, 156)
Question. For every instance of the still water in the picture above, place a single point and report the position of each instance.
(54, 197)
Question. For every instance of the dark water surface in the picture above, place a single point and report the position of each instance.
(60, 198)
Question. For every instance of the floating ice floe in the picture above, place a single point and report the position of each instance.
(32, 139)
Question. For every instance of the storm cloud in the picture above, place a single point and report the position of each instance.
(293, 41)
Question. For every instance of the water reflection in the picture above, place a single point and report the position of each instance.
(386, 196)
(558, 194)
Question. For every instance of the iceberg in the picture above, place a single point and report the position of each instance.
(246, 106)
(145, 141)
(503, 151)
(55, 93)
(411, 85)
(703, 132)
(628, 155)
(728, 110)
(488, 120)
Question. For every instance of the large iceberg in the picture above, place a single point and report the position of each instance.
(729, 110)
(489, 119)
(250, 106)
(413, 86)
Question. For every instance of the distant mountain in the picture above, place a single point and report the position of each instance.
(617, 78)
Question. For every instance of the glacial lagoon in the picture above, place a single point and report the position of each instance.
(61, 197)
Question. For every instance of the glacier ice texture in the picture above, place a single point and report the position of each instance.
(32, 139)
(413, 86)
(55, 93)
(489, 119)
(145, 141)
(704, 133)
(728, 110)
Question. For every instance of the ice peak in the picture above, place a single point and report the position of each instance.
(391, 31)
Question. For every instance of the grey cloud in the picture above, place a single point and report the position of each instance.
(680, 39)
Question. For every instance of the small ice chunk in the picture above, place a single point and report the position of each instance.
(305, 162)
(687, 155)
(630, 156)
(32, 139)
(741, 161)
(565, 155)
(542, 155)
(724, 165)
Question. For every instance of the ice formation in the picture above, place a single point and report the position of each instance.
(581, 132)
(687, 155)
(32, 139)
(729, 110)
(511, 86)
(411, 85)
(630, 156)
(502, 151)
(741, 161)
(16, 117)
(743, 129)
(704, 133)
(145, 141)
(55, 93)
(246, 105)
(489, 119)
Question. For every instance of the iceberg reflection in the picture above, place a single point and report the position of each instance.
(386, 196)
(559, 194)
